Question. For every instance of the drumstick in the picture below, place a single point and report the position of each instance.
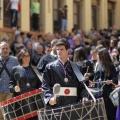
(56, 89)
(104, 82)
(99, 82)
(113, 84)
(87, 69)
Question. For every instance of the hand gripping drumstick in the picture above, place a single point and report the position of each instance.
(56, 89)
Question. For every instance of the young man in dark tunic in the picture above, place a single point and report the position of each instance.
(61, 72)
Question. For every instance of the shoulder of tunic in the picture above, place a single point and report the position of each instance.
(53, 63)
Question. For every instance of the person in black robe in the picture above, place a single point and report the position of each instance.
(81, 58)
(38, 55)
(48, 57)
(25, 81)
(105, 71)
(56, 72)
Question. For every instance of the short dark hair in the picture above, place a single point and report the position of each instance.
(48, 46)
(29, 35)
(20, 55)
(22, 33)
(65, 6)
(63, 42)
(39, 36)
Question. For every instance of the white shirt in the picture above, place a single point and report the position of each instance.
(14, 4)
(17, 32)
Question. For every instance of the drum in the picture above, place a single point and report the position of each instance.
(115, 96)
(76, 111)
(23, 106)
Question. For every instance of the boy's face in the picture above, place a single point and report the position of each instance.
(62, 52)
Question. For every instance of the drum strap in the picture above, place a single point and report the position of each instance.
(77, 72)
(37, 72)
(119, 96)
(4, 67)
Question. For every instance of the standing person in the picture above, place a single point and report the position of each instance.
(94, 57)
(111, 46)
(6, 39)
(48, 57)
(64, 17)
(105, 71)
(29, 47)
(81, 58)
(28, 80)
(61, 72)
(14, 12)
(6, 63)
(35, 11)
(38, 55)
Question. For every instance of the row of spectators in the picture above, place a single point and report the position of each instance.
(84, 49)
(41, 45)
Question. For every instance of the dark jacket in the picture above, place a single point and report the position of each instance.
(107, 89)
(32, 78)
(54, 74)
(44, 61)
(100, 74)
(36, 58)
(88, 67)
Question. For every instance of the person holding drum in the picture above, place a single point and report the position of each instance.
(105, 71)
(81, 58)
(61, 72)
(23, 78)
(6, 64)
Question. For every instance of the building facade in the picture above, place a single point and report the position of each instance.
(82, 14)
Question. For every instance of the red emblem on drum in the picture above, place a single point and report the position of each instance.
(67, 91)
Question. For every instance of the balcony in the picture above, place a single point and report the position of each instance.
(11, 33)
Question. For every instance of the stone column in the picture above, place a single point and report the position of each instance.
(25, 15)
(1, 13)
(48, 16)
(103, 14)
(70, 18)
(117, 14)
(86, 15)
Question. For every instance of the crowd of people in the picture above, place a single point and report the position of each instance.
(96, 54)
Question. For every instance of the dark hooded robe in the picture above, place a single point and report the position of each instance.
(53, 74)
(44, 61)
(107, 89)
